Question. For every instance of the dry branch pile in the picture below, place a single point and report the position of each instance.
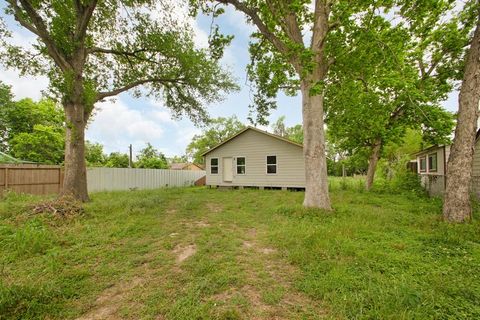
(62, 207)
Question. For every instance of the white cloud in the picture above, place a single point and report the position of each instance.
(238, 21)
(24, 87)
(185, 135)
(115, 125)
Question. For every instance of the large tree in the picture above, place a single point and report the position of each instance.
(44, 144)
(457, 206)
(395, 75)
(6, 102)
(22, 116)
(92, 50)
(284, 57)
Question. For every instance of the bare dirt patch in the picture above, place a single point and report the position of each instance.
(111, 300)
(171, 211)
(247, 244)
(202, 224)
(214, 207)
(267, 250)
(184, 253)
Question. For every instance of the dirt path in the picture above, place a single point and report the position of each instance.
(266, 286)
(269, 284)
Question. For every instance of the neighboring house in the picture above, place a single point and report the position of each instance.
(186, 166)
(432, 167)
(256, 158)
(5, 158)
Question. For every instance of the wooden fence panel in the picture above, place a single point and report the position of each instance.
(31, 178)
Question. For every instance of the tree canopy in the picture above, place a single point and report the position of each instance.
(96, 49)
(30, 130)
(151, 158)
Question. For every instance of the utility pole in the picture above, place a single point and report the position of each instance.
(130, 156)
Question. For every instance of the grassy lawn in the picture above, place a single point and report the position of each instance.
(197, 253)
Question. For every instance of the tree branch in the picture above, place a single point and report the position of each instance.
(253, 14)
(289, 21)
(18, 17)
(83, 19)
(115, 51)
(106, 94)
(320, 30)
(42, 32)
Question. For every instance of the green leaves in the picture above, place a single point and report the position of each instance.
(44, 144)
(151, 158)
(216, 131)
(97, 49)
(36, 123)
(392, 74)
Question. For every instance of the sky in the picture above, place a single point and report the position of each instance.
(126, 120)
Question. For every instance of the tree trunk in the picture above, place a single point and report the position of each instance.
(457, 206)
(372, 163)
(75, 177)
(316, 188)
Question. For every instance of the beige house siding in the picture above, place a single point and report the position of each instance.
(255, 147)
(441, 153)
(476, 160)
(434, 181)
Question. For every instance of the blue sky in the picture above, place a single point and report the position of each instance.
(126, 120)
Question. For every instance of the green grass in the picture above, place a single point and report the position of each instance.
(259, 254)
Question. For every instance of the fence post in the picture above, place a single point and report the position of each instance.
(6, 178)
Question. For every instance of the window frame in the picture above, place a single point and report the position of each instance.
(436, 162)
(217, 166)
(267, 164)
(420, 164)
(243, 165)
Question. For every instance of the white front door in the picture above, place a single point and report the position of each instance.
(228, 169)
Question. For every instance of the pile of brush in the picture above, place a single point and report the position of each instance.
(62, 207)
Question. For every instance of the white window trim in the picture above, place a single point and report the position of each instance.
(428, 161)
(266, 164)
(420, 164)
(236, 166)
(218, 166)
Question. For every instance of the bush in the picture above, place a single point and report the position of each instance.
(396, 178)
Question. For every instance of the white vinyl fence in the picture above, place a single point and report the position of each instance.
(109, 179)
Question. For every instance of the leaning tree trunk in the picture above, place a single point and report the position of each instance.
(456, 205)
(372, 163)
(75, 177)
(316, 188)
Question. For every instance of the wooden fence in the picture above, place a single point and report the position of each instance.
(31, 178)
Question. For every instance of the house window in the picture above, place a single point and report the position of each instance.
(214, 166)
(423, 164)
(240, 165)
(271, 164)
(432, 162)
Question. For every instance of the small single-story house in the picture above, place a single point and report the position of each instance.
(186, 166)
(431, 165)
(255, 158)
